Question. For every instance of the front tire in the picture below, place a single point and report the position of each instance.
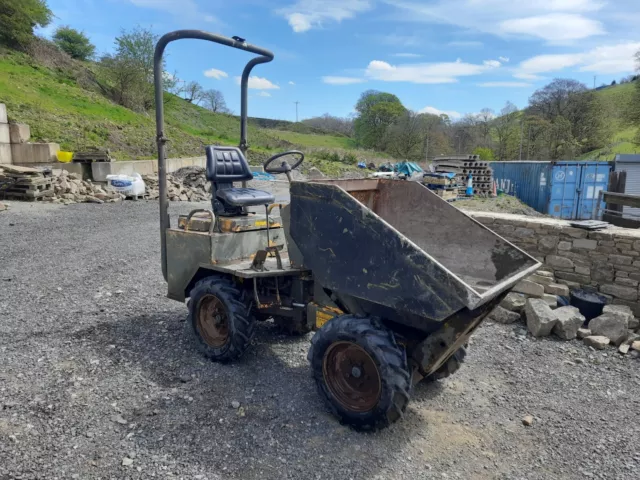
(361, 372)
(451, 366)
(220, 318)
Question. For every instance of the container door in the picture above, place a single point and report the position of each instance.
(632, 187)
(594, 178)
(565, 182)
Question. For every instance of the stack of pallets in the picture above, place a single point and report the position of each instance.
(465, 165)
(25, 183)
(443, 185)
(92, 155)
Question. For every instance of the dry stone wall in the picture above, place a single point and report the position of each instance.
(605, 261)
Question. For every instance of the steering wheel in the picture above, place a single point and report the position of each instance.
(284, 166)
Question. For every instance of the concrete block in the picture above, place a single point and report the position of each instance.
(4, 133)
(30, 153)
(3, 113)
(5, 154)
(19, 132)
(100, 170)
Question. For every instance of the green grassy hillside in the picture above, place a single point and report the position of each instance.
(614, 102)
(59, 110)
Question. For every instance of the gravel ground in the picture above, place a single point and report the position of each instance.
(98, 379)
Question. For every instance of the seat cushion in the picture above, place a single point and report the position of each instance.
(245, 197)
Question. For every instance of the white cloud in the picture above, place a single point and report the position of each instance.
(291, 82)
(434, 111)
(406, 55)
(426, 73)
(264, 94)
(552, 20)
(555, 27)
(527, 76)
(259, 83)
(492, 63)
(504, 59)
(505, 84)
(307, 14)
(331, 80)
(215, 73)
(609, 59)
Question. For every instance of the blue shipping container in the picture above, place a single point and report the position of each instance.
(567, 190)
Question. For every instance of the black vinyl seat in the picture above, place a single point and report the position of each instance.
(226, 165)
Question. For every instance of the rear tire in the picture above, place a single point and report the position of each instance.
(361, 372)
(220, 318)
(450, 367)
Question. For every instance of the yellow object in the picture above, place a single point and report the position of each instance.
(64, 157)
(323, 314)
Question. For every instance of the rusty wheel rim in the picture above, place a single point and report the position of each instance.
(213, 322)
(352, 376)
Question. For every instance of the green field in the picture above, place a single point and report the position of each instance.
(59, 110)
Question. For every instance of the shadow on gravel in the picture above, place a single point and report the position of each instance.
(186, 408)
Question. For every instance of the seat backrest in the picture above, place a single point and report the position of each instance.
(227, 165)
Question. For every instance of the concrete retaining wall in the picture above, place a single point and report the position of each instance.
(606, 261)
(143, 167)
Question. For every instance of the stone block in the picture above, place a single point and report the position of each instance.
(634, 306)
(630, 253)
(514, 302)
(620, 291)
(620, 259)
(629, 282)
(529, 288)
(5, 137)
(504, 316)
(607, 243)
(583, 270)
(569, 321)
(548, 244)
(100, 170)
(551, 300)
(3, 113)
(606, 249)
(622, 274)
(583, 333)
(557, 289)
(569, 284)
(540, 318)
(540, 279)
(19, 132)
(30, 153)
(5, 154)
(585, 243)
(596, 341)
(574, 232)
(556, 261)
(564, 245)
(614, 325)
(574, 277)
(523, 232)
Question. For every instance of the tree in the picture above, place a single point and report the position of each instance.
(75, 43)
(18, 18)
(486, 154)
(377, 111)
(193, 92)
(506, 129)
(214, 101)
(404, 135)
(330, 123)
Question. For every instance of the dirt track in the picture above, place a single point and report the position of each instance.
(97, 370)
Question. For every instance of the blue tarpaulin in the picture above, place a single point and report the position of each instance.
(407, 168)
(263, 176)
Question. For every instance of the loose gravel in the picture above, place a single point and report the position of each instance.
(99, 379)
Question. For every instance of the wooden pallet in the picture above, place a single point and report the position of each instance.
(28, 196)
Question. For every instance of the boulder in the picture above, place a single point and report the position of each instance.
(583, 333)
(314, 173)
(557, 289)
(623, 310)
(551, 300)
(624, 348)
(529, 288)
(514, 302)
(569, 322)
(502, 315)
(540, 318)
(636, 346)
(613, 325)
(596, 341)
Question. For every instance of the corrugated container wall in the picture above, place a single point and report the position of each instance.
(566, 190)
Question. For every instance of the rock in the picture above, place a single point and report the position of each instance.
(540, 279)
(91, 199)
(619, 309)
(620, 291)
(556, 261)
(502, 315)
(514, 302)
(118, 419)
(540, 318)
(624, 348)
(634, 323)
(613, 325)
(569, 321)
(314, 173)
(527, 420)
(583, 333)
(579, 361)
(636, 346)
(529, 288)
(551, 300)
(544, 273)
(557, 289)
(127, 462)
(3, 207)
(596, 341)
(235, 404)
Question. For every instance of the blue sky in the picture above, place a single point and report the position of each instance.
(454, 56)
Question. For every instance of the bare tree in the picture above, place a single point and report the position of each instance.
(214, 100)
(193, 93)
(505, 129)
(331, 123)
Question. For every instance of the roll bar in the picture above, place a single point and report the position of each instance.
(235, 42)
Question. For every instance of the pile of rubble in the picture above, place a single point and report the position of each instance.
(70, 188)
(537, 299)
(188, 184)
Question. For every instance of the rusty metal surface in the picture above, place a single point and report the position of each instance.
(213, 322)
